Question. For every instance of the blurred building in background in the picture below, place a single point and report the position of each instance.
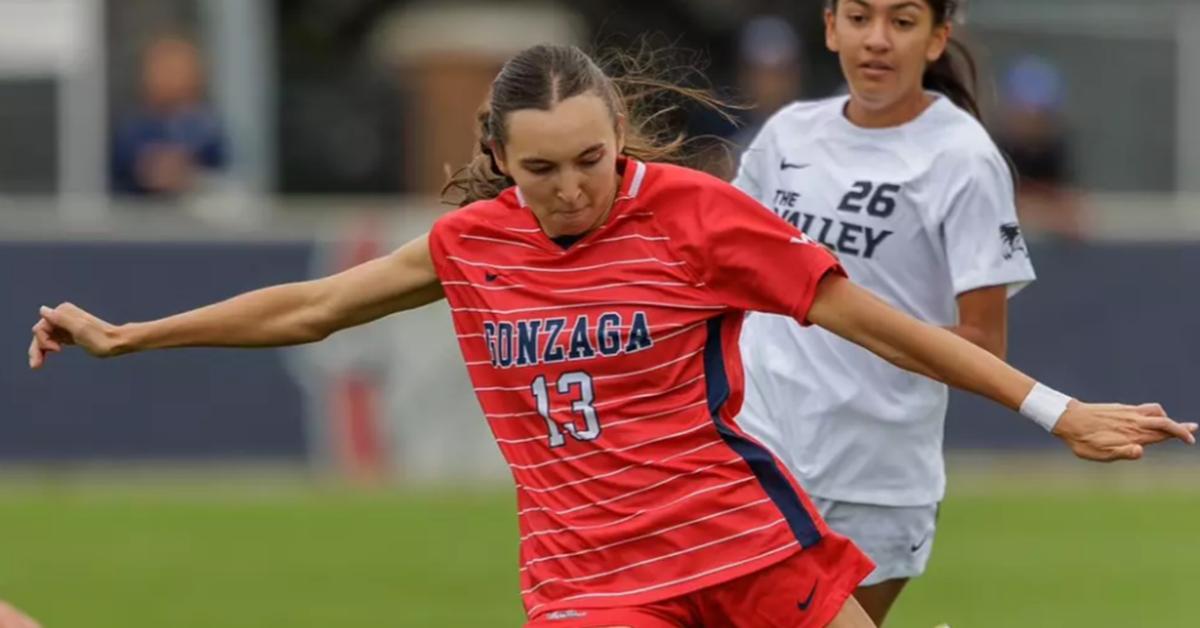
(159, 154)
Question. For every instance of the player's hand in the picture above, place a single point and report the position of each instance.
(1109, 432)
(12, 618)
(68, 324)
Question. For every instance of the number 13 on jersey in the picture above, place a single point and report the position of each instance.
(581, 385)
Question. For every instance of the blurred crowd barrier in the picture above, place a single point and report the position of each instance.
(1110, 318)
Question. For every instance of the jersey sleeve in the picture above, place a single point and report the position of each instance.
(980, 231)
(752, 167)
(747, 257)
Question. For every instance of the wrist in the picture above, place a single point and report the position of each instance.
(1045, 406)
(127, 338)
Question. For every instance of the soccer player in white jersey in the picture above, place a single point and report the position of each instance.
(903, 182)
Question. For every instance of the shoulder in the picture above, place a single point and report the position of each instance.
(689, 203)
(802, 116)
(669, 188)
(493, 211)
(810, 111)
(961, 144)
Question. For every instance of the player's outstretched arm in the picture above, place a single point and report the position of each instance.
(12, 618)
(1094, 432)
(288, 314)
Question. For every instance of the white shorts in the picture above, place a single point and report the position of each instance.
(898, 539)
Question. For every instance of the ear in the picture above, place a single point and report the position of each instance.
(622, 129)
(831, 40)
(938, 42)
(499, 154)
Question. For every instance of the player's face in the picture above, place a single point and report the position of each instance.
(884, 47)
(564, 162)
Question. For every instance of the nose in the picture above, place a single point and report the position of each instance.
(570, 189)
(878, 38)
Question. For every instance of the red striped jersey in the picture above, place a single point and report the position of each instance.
(609, 373)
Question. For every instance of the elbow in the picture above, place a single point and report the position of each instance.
(318, 318)
(321, 323)
(315, 331)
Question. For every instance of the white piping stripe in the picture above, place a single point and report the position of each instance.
(632, 493)
(651, 369)
(646, 536)
(499, 241)
(598, 452)
(634, 236)
(660, 558)
(670, 584)
(603, 377)
(543, 437)
(635, 215)
(600, 378)
(638, 176)
(648, 260)
(677, 333)
(668, 284)
(638, 513)
(546, 308)
(600, 405)
(481, 286)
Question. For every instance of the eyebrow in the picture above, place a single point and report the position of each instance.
(528, 161)
(905, 5)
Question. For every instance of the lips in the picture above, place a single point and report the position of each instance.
(875, 69)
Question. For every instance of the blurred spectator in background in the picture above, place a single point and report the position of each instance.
(1032, 133)
(173, 143)
(769, 73)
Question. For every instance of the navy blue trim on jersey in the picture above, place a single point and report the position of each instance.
(761, 462)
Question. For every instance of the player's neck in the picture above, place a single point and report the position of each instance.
(902, 111)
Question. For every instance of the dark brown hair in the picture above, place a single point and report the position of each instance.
(640, 86)
(955, 73)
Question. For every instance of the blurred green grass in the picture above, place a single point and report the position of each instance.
(192, 555)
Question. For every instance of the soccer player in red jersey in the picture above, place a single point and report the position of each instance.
(598, 298)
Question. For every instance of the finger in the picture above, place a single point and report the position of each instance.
(1128, 452)
(1151, 409)
(60, 317)
(46, 327)
(35, 355)
(46, 342)
(1169, 427)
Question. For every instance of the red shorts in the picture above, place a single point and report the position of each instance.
(807, 590)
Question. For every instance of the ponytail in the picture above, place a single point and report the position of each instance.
(481, 178)
(956, 76)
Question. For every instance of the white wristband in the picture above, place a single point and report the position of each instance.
(1045, 406)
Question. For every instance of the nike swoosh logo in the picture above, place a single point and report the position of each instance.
(490, 277)
(803, 606)
(916, 548)
(784, 165)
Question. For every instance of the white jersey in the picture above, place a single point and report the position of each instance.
(918, 214)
